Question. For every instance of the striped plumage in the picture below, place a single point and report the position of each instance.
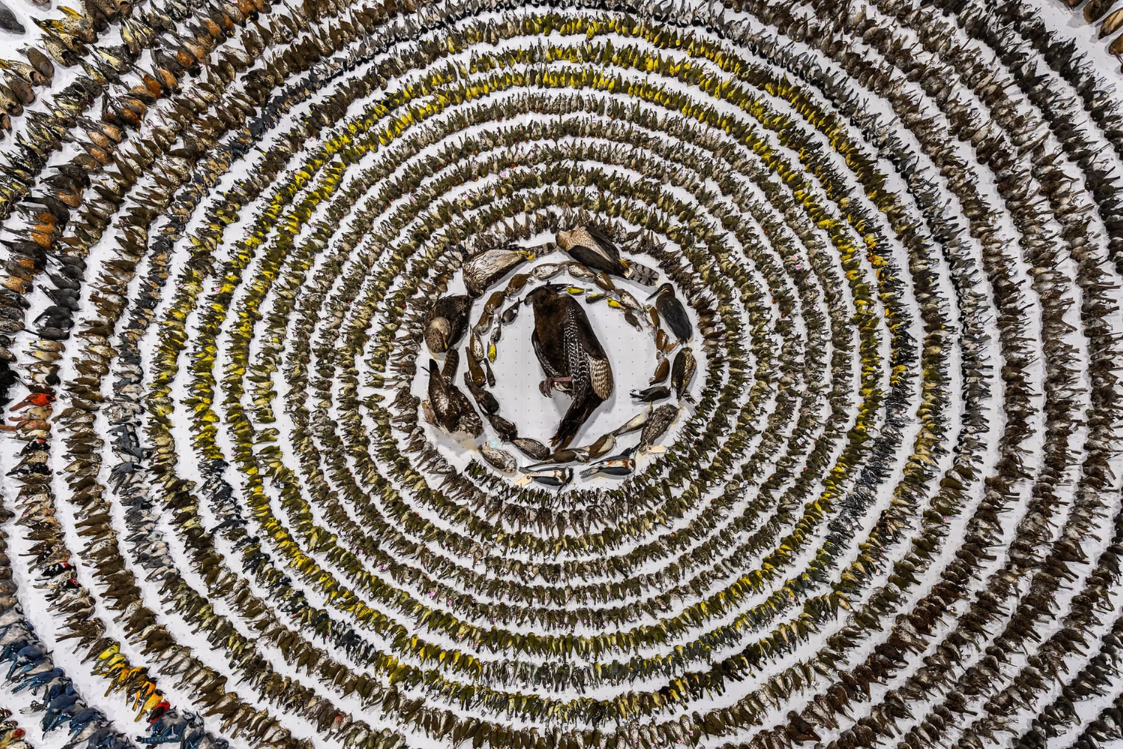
(596, 250)
(571, 356)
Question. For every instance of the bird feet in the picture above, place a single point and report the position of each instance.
(547, 385)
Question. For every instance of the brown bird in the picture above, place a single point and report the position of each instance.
(595, 250)
(447, 407)
(571, 356)
(448, 319)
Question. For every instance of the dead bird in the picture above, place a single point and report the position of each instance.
(482, 271)
(9, 22)
(636, 422)
(500, 460)
(557, 478)
(531, 448)
(673, 312)
(446, 323)
(682, 372)
(652, 394)
(571, 356)
(614, 468)
(447, 407)
(657, 426)
(568, 455)
(486, 401)
(594, 249)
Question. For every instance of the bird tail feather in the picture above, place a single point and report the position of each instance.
(641, 274)
(579, 412)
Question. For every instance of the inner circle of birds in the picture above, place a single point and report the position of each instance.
(573, 360)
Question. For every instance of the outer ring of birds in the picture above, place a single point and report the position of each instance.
(227, 523)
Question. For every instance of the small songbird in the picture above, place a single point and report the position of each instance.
(556, 478)
(635, 423)
(448, 319)
(593, 249)
(682, 372)
(571, 356)
(603, 446)
(672, 312)
(652, 394)
(561, 457)
(657, 426)
(447, 407)
(500, 460)
(622, 467)
(531, 448)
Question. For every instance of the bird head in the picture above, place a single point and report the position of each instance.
(436, 335)
(564, 239)
(542, 294)
(666, 288)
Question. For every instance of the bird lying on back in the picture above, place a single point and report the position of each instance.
(571, 356)
(594, 249)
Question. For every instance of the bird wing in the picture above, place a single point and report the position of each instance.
(674, 314)
(594, 259)
(452, 364)
(600, 372)
(587, 354)
(607, 245)
(439, 395)
(543, 359)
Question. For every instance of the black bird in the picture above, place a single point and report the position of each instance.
(447, 407)
(593, 249)
(673, 312)
(572, 357)
(448, 319)
(652, 394)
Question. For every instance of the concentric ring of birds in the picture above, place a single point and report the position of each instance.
(559, 376)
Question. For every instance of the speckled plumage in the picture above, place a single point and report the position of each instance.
(568, 349)
(596, 250)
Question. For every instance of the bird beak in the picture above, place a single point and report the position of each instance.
(654, 294)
